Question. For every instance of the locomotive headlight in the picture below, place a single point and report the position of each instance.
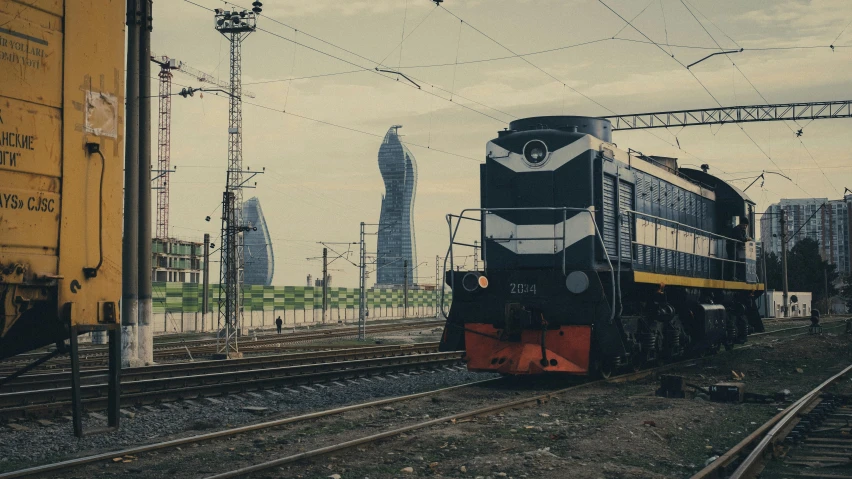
(483, 282)
(470, 282)
(577, 282)
(535, 152)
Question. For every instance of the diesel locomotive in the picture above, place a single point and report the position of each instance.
(596, 258)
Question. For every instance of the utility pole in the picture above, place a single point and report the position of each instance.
(130, 245)
(229, 287)
(404, 289)
(825, 285)
(784, 261)
(475, 256)
(146, 330)
(437, 283)
(324, 284)
(235, 26)
(362, 282)
(205, 283)
(164, 140)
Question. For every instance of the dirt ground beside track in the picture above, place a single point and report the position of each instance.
(609, 431)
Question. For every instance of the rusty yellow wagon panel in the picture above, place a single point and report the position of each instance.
(61, 159)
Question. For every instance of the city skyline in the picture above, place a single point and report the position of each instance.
(320, 180)
(823, 220)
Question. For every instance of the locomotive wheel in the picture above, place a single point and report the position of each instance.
(605, 369)
(637, 360)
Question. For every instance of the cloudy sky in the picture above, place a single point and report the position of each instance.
(320, 109)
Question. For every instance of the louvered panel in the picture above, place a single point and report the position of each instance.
(609, 216)
(625, 201)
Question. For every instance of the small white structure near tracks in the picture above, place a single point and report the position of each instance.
(772, 302)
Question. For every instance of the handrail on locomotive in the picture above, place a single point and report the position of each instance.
(484, 212)
(657, 221)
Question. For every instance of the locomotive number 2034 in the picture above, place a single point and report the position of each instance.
(521, 288)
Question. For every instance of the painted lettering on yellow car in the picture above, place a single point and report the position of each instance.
(21, 52)
(11, 139)
(35, 204)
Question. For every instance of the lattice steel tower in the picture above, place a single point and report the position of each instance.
(236, 26)
(164, 147)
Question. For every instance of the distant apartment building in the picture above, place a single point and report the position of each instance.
(257, 253)
(807, 218)
(396, 240)
(176, 261)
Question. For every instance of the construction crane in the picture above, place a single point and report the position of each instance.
(161, 177)
(734, 114)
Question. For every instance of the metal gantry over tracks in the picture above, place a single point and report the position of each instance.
(733, 114)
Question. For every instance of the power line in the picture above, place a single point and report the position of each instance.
(841, 33)
(745, 49)
(371, 70)
(564, 84)
(525, 60)
(703, 86)
(683, 2)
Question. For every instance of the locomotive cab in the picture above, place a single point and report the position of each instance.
(593, 255)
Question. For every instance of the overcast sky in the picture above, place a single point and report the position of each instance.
(321, 181)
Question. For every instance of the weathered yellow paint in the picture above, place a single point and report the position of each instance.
(672, 280)
(61, 87)
(31, 54)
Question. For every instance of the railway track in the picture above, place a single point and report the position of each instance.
(446, 421)
(808, 439)
(176, 350)
(34, 382)
(136, 392)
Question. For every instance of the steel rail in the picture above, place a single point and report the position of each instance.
(45, 401)
(63, 379)
(71, 463)
(201, 345)
(537, 399)
(767, 433)
(80, 461)
(448, 419)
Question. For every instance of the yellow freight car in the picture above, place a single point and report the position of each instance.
(61, 161)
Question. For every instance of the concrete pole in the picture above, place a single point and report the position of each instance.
(129, 256)
(404, 289)
(362, 295)
(437, 283)
(324, 284)
(205, 284)
(146, 329)
(784, 262)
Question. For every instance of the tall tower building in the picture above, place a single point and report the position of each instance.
(259, 259)
(396, 242)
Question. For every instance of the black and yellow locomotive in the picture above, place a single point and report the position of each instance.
(596, 258)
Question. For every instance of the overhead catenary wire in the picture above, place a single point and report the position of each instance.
(703, 86)
(524, 59)
(684, 3)
(369, 69)
(564, 84)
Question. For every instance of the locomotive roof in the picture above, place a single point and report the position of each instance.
(722, 187)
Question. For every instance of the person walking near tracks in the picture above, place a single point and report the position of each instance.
(279, 323)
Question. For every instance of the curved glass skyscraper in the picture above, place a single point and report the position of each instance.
(259, 259)
(396, 242)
